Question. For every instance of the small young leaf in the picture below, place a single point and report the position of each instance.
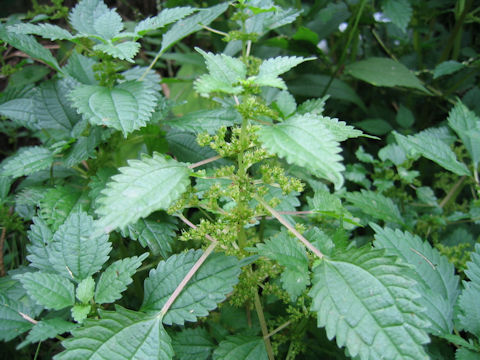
(209, 286)
(241, 347)
(376, 205)
(399, 11)
(158, 236)
(115, 279)
(297, 140)
(447, 68)
(270, 69)
(123, 51)
(48, 31)
(50, 290)
(366, 301)
(28, 160)
(80, 312)
(206, 120)
(47, 329)
(165, 17)
(120, 334)
(193, 344)
(339, 129)
(76, 252)
(40, 236)
(146, 185)
(85, 288)
(313, 106)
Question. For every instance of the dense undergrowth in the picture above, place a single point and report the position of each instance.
(244, 180)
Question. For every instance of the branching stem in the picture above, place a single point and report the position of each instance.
(203, 162)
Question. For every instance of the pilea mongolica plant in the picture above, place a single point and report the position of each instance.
(229, 231)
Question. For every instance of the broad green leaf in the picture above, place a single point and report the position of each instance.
(56, 205)
(405, 117)
(206, 120)
(80, 312)
(137, 72)
(193, 344)
(48, 31)
(12, 323)
(447, 68)
(399, 11)
(76, 252)
(268, 17)
(30, 46)
(384, 72)
(157, 235)
(119, 335)
(270, 69)
(209, 286)
(241, 347)
(313, 106)
(123, 51)
(473, 267)
(40, 236)
(80, 68)
(465, 354)
(50, 290)
(394, 153)
(108, 25)
(115, 279)
(305, 141)
(224, 73)
(21, 111)
(367, 302)
(126, 107)
(191, 24)
(436, 279)
(340, 130)
(426, 144)
(285, 103)
(142, 187)
(28, 160)
(84, 291)
(83, 15)
(288, 252)
(47, 329)
(165, 17)
(376, 205)
(84, 148)
(467, 126)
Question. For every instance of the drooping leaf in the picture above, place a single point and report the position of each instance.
(40, 237)
(467, 126)
(124, 51)
(206, 120)
(209, 286)
(165, 17)
(288, 252)
(241, 347)
(83, 15)
(47, 329)
(157, 235)
(305, 141)
(50, 290)
(126, 107)
(48, 31)
(384, 72)
(193, 344)
(399, 11)
(191, 24)
(76, 252)
(28, 160)
(366, 301)
(142, 187)
(115, 279)
(269, 70)
(447, 68)
(376, 205)
(428, 145)
(436, 280)
(121, 334)
(80, 68)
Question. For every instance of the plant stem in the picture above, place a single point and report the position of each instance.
(280, 328)
(452, 191)
(263, 325)
(285, 223)
(203, 162)
(2, 243)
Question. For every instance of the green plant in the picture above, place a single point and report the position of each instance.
(258, 230)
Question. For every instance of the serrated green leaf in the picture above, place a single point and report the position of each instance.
(57, 204)
(80, 312)
(48, 31)
(426, 144)
(399, 11)
(241, 347)
(30, 46)
(126, 107)
(288, 252)
(270, 69)
(467, 126)
(193, 344)
(119, 335)
(76, 252)
(366, 301)
(83, 15)
(165, 17)
(465, 354)
(40, 236)
(115, 279)
(157, 235)
(206, 120)
(12, 323)
(191, 24)
(437, 282)
(47, 329)
(49, 290)
(209, 286)
(124, 51)
(285, 103)
(84, 291)
(137, 72)
(473, 267)
(84, 148)
(20, 111)
(376, 205)
(405, 117)
(298, 141)
(80, 68)
(339, 129)
(384, 72)
(447, 68)
(28, 160)
(108, 25)
(313, 106)
(146, 185)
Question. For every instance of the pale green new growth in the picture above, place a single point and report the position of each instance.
(270, 69)
(165, 17)
(123, 51)
(26, 161)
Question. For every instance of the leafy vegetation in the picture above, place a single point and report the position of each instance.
(244, 180)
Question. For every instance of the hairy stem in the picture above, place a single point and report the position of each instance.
(203, 162)
(263, 325)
